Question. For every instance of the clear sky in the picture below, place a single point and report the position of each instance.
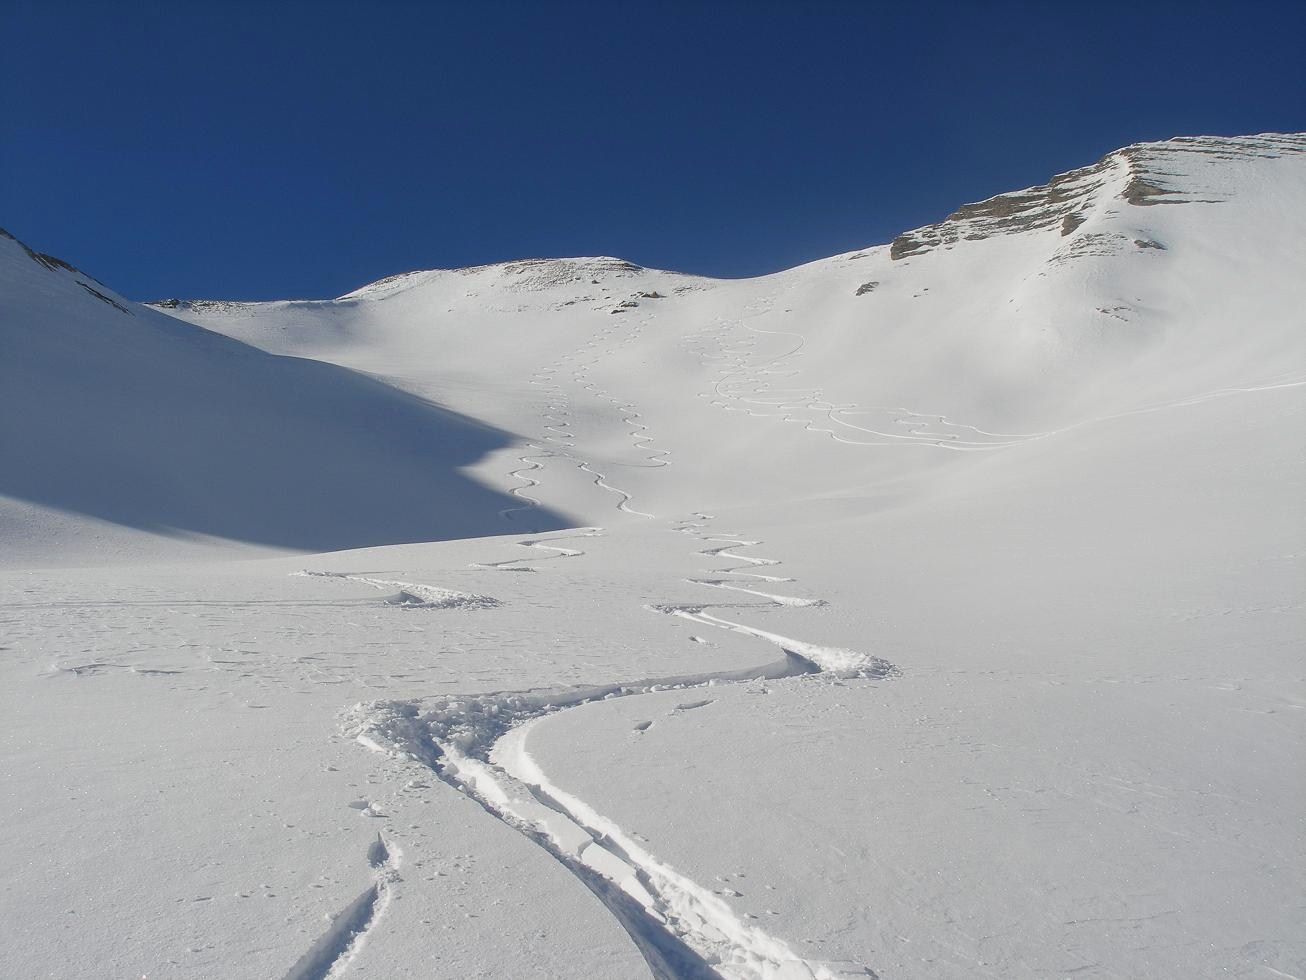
(261, 150)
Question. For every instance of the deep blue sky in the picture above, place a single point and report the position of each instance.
(260, 150)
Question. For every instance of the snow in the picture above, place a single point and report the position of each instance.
(948, 626)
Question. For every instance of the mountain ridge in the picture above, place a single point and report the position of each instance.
(1136, 171)
(1007, 321)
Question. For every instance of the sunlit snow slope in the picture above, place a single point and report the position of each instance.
(1163, 273)
(929, 611)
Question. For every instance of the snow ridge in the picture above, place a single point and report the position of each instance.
(1169, 172)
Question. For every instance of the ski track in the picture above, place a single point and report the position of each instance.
(754, 384)
(477, 744)
(544, 544)
(835, 660)
(414, 595)
(640, 434)
(748, 382)
(556, 414)
(330, 955)
(781, 600)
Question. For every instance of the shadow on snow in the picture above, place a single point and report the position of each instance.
(149, 422)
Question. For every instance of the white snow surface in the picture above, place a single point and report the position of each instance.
(930, 611)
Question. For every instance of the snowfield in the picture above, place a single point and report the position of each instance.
(930, 611)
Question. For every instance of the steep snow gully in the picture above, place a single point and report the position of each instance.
(478, 744)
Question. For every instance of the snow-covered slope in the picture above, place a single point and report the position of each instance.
(933, 610)
(1007, 328)
(113, 412)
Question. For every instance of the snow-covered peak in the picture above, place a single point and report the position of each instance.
(524, 275)
(1180, 170)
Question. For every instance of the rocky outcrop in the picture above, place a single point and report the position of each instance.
(1145, 174)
